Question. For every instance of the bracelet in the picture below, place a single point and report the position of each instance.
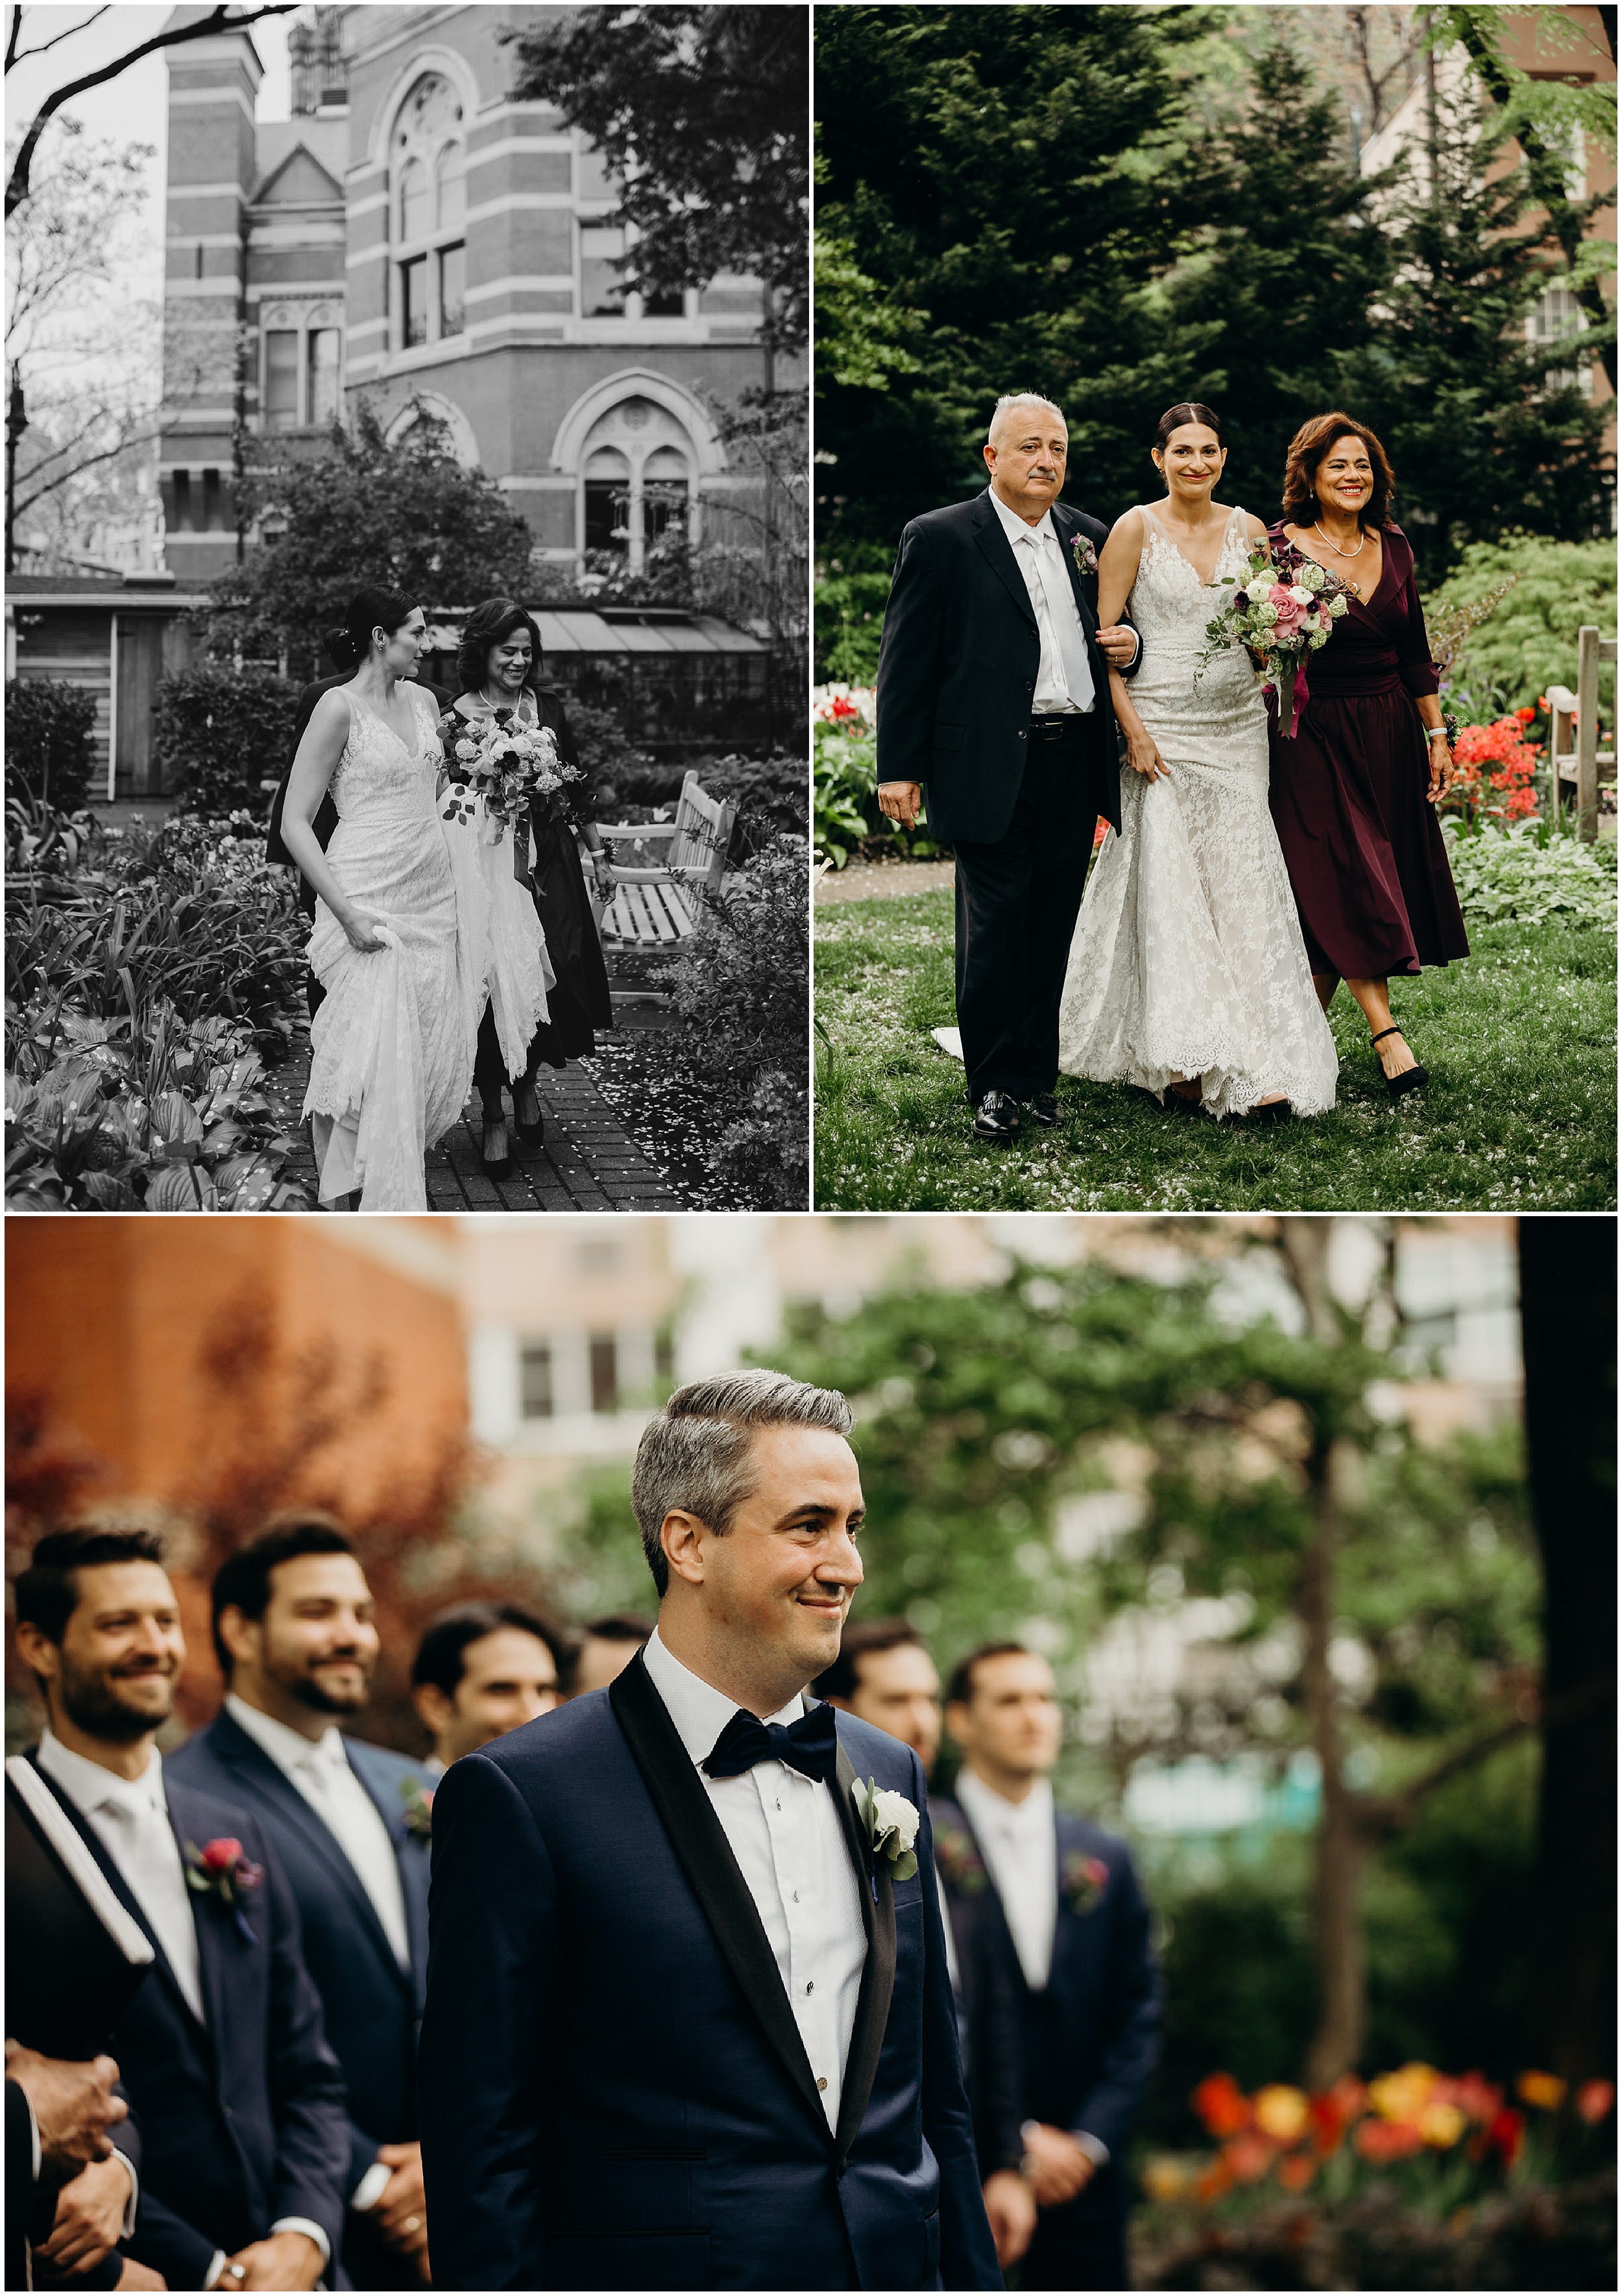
(1437, 734)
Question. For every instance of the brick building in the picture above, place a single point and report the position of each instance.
(415, 235)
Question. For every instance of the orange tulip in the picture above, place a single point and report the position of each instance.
(1381, 2141)
(1250, 2157)
(1297, 2171)
(1221, 2105)
(1546, 2091)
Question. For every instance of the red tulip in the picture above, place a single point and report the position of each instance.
(1594, 2100)
(1221, 2105)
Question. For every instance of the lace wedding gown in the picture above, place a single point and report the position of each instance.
(1188, 958)
(392, 1045)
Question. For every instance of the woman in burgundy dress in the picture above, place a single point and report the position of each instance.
(1354, 795)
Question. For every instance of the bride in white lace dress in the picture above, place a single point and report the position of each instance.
(1188, 975)
(415, 918)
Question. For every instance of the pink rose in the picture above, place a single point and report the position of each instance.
(220, 1856)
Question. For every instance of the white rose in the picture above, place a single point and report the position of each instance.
(892, 1813)
(1300, 593)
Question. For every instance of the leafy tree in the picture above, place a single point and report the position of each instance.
(1487, 434)
(1067, 1447)
(700, 112)
(1526, 640)
(216, 730)
(360, 513)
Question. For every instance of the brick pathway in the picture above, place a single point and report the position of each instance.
(587, 1163)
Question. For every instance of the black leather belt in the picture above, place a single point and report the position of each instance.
(1058, 726)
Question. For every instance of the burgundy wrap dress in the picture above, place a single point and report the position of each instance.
(1366, 859)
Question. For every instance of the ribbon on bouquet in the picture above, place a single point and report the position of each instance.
(1299, 696)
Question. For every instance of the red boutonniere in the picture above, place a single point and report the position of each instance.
(1083, 1883)
(960, 1862)
(221, 1870)
(419, 1802)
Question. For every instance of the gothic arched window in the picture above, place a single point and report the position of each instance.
(428, 157)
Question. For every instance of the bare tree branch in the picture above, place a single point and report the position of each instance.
(218, 20)
(15, 55)
(1382, 1814)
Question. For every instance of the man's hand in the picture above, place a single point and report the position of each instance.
(139, 2276)
(901, 802)
(401, 2214)
(90, 2216)
(1117, 643)
(1011, 2210)
(74, 2107)
(1062, 2168)
(287, 2260)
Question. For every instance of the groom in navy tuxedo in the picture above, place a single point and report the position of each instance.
(994, 699)
(689, 2019)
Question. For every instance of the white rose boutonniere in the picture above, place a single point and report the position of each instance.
(892, 1827)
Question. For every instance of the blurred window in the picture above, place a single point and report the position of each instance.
(605, 1373)
(534, 1391)
(453, 288)
(281, 379)
(414, 301)
(324, 390)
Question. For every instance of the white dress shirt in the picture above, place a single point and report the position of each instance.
(786, 1835)
(319, 1769)
(131, 1816)
(1064, 675)
(1021, 1846)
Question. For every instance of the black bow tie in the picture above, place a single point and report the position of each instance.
(809, 1745)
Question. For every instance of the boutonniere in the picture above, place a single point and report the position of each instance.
(419, 1802)
(892, 1827)
(1083, 553)
(1083, 1883)
(220, 1870)
(960, 1862)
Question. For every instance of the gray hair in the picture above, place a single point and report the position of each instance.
(694, 1455)
(1021, 398)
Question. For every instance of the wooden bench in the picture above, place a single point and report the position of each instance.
(1574, 754)
(655, 906)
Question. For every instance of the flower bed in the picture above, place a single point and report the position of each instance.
(1533, 873)
(150, 976)
(1496, 766)
(1411, 2180)
(844, 782)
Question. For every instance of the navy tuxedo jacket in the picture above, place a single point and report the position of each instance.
(615, 2093)
(371, 2006)
(1092, 2037)
(243, 2123)
(957, 672)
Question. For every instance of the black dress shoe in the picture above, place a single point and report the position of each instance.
(1043, 1107)
(998, 1117)
(1265, 1111)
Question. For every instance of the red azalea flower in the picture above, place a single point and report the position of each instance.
(1525, 716)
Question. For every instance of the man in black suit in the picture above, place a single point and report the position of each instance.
(1057, 1900)
(347, 1824)
(994, 699)
(72, 2164)
(240, 2101)
(884, 1675)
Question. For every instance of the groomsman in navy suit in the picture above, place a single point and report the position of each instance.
(689, 2021)
(1058, 1900)
(347, 1824)
(239, 2101)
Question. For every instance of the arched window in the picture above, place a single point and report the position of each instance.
(638, 469)
(427, 159)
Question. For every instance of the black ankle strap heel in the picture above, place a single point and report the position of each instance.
(1411, 1079)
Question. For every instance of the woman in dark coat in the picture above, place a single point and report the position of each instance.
(496, 668)
(1353, 794)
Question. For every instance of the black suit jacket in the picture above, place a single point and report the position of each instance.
(957, 672)
(327, 812)
(989, 2031)
(615, 2092)
(371, 2006)
(242, 2121)
(1091, 2039)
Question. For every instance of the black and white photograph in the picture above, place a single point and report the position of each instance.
(407, 607)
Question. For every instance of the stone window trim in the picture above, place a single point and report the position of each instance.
(308, 321)
(427, 159)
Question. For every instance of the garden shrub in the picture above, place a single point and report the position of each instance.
(1526, 640)
(1532, 872)
(221, 735)
(49, 725)
(844, 783)
(739, 992)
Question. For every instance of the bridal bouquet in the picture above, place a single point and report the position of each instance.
(1284, 609)
(511, 766)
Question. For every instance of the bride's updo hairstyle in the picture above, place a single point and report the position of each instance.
(369, 611)
(1307, 450)
(486, 627)
(1175, 417)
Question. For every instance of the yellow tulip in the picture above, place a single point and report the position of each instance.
(1441, 2125)
(1281, 2112)
(1546, 2090)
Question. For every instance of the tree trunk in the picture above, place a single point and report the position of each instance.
(1340, 1849)
(1568, 1338)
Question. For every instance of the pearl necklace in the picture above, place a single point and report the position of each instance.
(1335, 547)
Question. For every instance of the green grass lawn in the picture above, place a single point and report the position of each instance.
(1519, 1114)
